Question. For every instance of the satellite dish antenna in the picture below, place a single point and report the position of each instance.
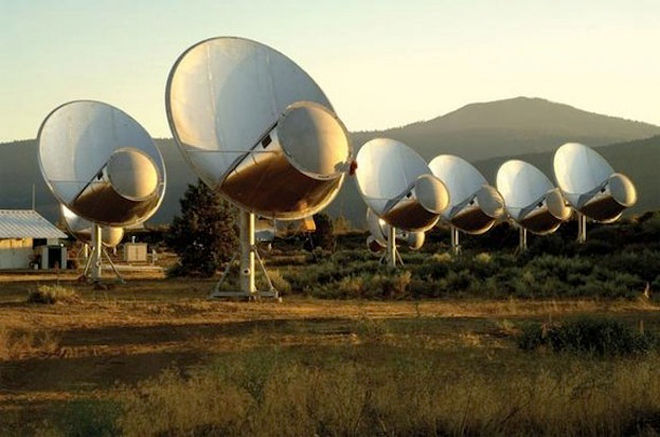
(475, 205)
(530, 199)
(256, 128)
(83, 231)
(379, 232)
(102, 166)
(591, 186)
(398, 187)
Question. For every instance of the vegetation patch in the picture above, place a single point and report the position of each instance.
(20, 343)
(594, 336)
(378, 390)
(51, 294)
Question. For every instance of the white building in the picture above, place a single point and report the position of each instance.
(26, 239)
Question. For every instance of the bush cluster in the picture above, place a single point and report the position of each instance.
(618, 261)
(50, 294)
(349, 274)
(594, 336)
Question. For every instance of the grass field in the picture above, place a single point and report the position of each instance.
(154, 357)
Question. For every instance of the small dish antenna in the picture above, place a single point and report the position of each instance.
(256, 128)
(399, 188)
(591, 186)
(379, 232)
(530, 199)
(475, 205)
(83, 231)
(102, 166)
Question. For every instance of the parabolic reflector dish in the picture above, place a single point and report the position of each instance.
(379, 231)
(475, 205)
(82, 229)
(590, 184)
(397, 185)
(256, 127)
(101, 164)
(530, 198)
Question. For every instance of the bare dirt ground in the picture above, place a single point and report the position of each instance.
(53, 353)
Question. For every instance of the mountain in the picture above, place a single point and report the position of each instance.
(484, 133)
(510, 127)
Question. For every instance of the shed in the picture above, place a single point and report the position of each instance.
(27, 239)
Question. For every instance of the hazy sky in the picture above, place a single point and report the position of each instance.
(381, 63)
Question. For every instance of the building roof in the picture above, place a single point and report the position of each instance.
(26, 223)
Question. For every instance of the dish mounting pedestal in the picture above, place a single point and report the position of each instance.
(455, 240)
(582, 228)
(248, 253)
(94, 265)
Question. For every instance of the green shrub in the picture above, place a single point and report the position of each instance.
(594, 336)
(280, 284)
(81, 418)
(50, 294)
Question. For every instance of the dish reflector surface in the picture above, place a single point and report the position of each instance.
(100, 163)
(579, 170)
(256, 127)
(530, 198)
(475, 205)
(590, 184)
(398, 186)
(223, 95)
(461, 178)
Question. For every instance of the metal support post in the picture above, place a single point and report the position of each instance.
(455, 241)
(391, 247)
(582, 228)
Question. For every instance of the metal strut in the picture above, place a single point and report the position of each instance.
(582, 228)
(247, 255)
(391, 258)
(455, 240)
(522, 239)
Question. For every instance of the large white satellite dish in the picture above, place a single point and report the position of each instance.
(255, 127)
(475, 205)
(530, 199)
(397, 185)
(591, 186)
(102, 166)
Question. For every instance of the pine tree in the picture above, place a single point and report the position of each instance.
(205, 234)
(324, 236)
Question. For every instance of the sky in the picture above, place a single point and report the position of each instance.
(382, 63)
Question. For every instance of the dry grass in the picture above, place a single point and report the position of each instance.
(156, 356)
(51, 294)
(22, 343)
(407, 394)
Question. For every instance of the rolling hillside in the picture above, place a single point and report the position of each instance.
(484, 133)
(510, 127)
